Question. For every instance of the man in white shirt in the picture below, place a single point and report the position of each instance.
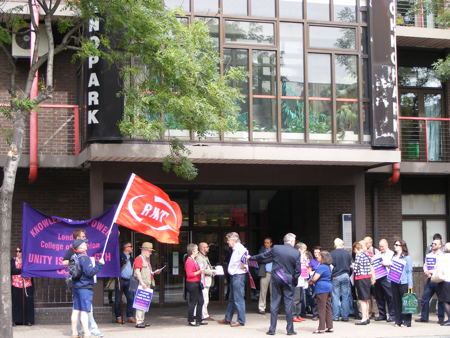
(431, 288)
(383, 293)
(237, 269)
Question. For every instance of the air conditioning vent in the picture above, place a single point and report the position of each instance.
(21, 43)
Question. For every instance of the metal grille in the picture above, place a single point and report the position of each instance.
(425, 139)
(51, 292)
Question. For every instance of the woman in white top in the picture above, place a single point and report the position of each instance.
(443, 289)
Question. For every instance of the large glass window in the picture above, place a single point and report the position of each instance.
(206, 6)
(238, 58)
(220, 208)
(267, 38)
(291, 9)
(175, 4)
(320, 106)
(318, 10)
(423, 214)
(264, 8)
(246, 32)
(292, 80)
(235, 7)
(422, 77)
(332, 37)
(264, 96)
(344, 10)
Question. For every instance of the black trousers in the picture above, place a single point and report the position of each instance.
(383, 296)
(23, 305)
(398, 290)
(280, 289)
(195, 299)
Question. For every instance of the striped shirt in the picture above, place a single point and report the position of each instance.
(362, 266)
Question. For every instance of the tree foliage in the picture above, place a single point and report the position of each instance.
(174, 74)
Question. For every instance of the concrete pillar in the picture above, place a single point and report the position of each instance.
(359, 206)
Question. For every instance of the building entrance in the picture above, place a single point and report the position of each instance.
(209, 214)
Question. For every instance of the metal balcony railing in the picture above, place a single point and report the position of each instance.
(415, 13)
(425, 139)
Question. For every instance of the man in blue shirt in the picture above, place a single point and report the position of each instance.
(265, 274)
(123, 285)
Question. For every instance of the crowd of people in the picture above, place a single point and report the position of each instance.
(331, 286)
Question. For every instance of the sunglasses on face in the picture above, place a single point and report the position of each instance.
(397, 244)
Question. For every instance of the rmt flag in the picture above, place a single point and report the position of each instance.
(147, 209)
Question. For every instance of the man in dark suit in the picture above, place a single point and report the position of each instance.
(285, 272)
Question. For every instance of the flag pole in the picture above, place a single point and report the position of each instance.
(122, 200)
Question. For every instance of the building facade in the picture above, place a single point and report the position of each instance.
(320, 134)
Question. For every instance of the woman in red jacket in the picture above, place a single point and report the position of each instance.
(194, 286)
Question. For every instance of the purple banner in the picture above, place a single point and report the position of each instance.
(142, 299)
(380, 269)
(396, 270)
(46, 239)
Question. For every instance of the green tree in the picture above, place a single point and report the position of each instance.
(174, 73)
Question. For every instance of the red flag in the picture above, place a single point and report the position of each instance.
(147, 209)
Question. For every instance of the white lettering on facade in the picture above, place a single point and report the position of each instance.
(93, 80)
(93, 98)
(91, 116)
(92, 60)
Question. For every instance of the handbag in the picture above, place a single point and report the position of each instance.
(110, 284)
(438, 276)
(410, 304)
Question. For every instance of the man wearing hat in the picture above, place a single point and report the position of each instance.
(144, 273)
(82, 289)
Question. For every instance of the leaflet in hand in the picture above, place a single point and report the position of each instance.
(159, 270)
(219, 270)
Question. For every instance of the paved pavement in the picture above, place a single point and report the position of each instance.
(171, 323)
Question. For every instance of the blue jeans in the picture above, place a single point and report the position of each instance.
(428, 292)
(340, 296)
(236, 301)
(124, 288)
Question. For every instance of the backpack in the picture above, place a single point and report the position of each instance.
(74, 271)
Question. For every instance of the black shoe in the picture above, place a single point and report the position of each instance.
(447, 323)
(420, 320)
(293, 333)
(262, 312)
(363, 323)
(202, 323)
(345, 319)
(440, 321)
(141, 326)
(147, 324)
(390, 320)
(29, 324)
(193, 324)
(270, 333)
(380, 318)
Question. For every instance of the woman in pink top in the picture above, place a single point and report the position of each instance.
(194, 286)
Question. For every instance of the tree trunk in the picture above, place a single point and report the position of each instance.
(6, 197)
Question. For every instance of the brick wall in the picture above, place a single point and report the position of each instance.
(333, 201)
(55, 125)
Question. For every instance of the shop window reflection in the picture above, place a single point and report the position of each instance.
(344, 10)
(220, 208)
(318, 10)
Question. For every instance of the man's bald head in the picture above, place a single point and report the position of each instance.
(203, 248)
(383, 245)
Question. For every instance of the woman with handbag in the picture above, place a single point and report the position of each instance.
(443, 289)
(403, 284)
(194, 286)
(362, 268)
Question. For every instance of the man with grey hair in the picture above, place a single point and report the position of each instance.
(285, 272)
(340, 276)
(237, 269)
